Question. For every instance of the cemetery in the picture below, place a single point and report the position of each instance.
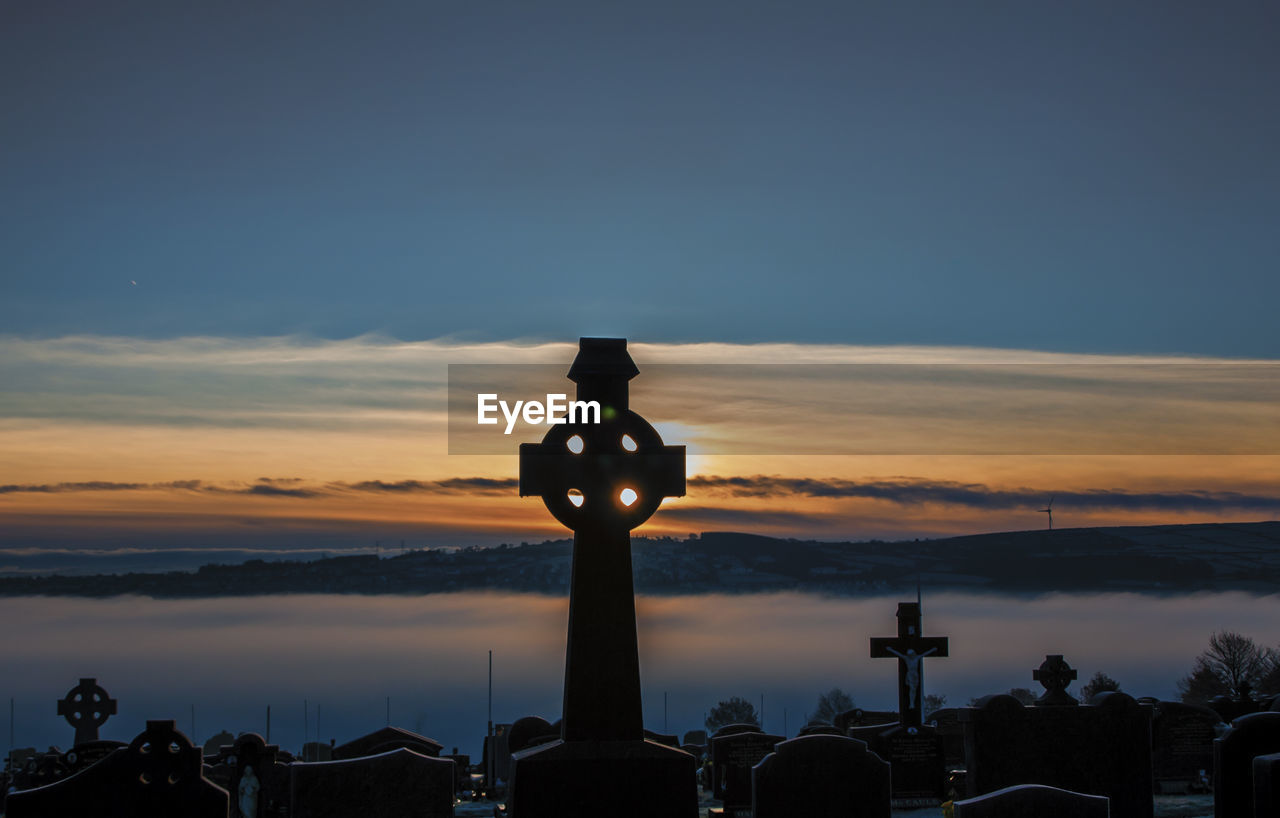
(1057, 756)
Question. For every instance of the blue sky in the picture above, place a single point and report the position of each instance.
(1076, 177)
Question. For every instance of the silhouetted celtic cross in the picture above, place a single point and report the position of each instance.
(602, 480)
(86, 708)
(1055, 675)
(613, 474)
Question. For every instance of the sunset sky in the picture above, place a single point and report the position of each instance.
(241, 244)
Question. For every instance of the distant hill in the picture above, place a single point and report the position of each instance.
(1152, 559)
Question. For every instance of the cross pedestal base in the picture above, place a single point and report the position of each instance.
(587, 779)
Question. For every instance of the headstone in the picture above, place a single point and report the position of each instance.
(947, 722)
(1033, 800)
(256, 778)
(387, 738)
(1233, 753)
(398, 783)
(910, 647)
(601, 480)
(695, 737)
(820, 775)
(88, 754)
(1055, 675)
(732, 757)
(1266, 785)
(527, 731)
(913, 749)
(86, 708)
(1230, 708)
(157, 776)
(1182, 738)
(727, 730)
(1098, 749)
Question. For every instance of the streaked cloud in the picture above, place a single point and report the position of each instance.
(913, 492)
(105, 434)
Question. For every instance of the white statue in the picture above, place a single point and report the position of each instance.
(911, 660)
(248, 794)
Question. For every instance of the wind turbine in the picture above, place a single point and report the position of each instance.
(1049, 510)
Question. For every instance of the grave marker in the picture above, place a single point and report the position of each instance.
(1033, 799)
(820, 775)
(1099, 749)
(910, 647)
(601, 480)
(87, 707)
(398, 783)
(158, 775)
(732, 757)
(1250, 736)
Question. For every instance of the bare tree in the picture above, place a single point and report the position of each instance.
(1232, 665)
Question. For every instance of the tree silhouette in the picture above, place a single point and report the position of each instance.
(1100, 682)
(1023, 695)
(734, 711)
(934, 702)
(831, 704)
(1232, 664)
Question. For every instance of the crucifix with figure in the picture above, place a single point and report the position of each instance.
(601, 480)
(910, 647)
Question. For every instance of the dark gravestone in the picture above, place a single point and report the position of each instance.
(601, 480)
(947, 722)
(910, 647)
(1025, 800)
(1055, 675)
(399, 783)
(820, 775)
(912, 748)
(1100, 749)
(1182, 738)
(384, 739)
(1266, 785)
(726, 730)
(1248, 737)
(732, 757)
(88, 754)
(695, 737)
(255, 776)
(157, 776)
(86, 708)
(1231, 708)
(528, 731)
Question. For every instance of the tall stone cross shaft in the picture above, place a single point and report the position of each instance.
(601, 480)
(910, 647)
